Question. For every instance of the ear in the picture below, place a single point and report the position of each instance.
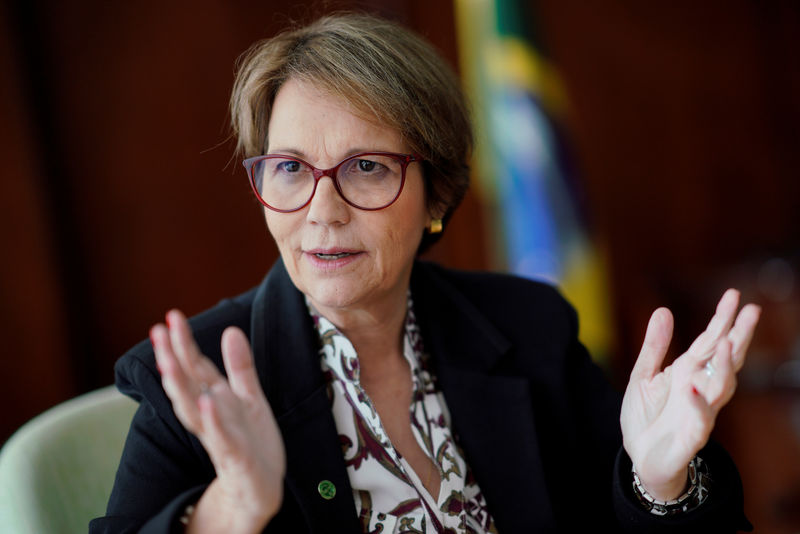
(436, 212)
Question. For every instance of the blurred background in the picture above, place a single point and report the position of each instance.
(668, 132)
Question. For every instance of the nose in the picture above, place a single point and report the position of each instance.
(327, 207)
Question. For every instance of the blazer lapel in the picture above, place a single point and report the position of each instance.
(287, 362)
(494, 424)
(313, 456)
(492, 415)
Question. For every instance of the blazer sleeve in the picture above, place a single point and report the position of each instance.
(163, 467)
(722, 512)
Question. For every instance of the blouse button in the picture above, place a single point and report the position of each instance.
(326, 490)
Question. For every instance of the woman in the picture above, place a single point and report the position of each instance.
(358, 390)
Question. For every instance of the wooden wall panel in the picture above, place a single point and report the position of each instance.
(35, 359)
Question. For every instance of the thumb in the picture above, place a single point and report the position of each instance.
(654, 348)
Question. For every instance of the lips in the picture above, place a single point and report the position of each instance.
(332, 254)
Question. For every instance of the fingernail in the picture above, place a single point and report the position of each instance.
(694, 390)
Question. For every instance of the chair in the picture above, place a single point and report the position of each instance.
(57, 470)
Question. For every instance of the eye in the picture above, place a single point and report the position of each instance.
(288, 166)
(365, 165)
(368, 167)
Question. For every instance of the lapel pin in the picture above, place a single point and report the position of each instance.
(326, 490)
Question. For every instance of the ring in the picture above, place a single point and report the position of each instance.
(709, 369)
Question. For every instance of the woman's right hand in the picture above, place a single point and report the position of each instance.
(233, 421)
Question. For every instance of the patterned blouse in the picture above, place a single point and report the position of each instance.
(389, 496)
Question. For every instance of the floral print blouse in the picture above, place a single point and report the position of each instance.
(389, 496)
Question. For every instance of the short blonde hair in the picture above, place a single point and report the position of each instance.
(382, 70)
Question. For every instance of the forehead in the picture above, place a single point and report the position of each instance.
(313, 122)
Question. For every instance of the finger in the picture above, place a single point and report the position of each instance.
(179, 387)
(742, 333)
(238, 359)
(719, 384)
(225, 424)
(718, 326)
(188, 353)
(215, 438)
(725, 313)
(727, 378)
(182, 338)
(654, 348)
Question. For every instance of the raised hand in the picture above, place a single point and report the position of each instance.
(667, 415)
(233, 421)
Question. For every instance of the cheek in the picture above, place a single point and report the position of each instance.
(281, 228)
(398, 243)
(278, 226)
(402, 237)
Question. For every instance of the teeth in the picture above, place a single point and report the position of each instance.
(332, 256)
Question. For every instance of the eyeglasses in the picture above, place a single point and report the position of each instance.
(368, 181)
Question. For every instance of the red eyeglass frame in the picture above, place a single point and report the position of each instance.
(404, 159)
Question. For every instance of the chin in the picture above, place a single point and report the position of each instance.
(334, 295)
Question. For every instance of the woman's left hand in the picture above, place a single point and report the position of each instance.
(667, 415)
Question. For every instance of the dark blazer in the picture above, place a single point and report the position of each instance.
(537, 421)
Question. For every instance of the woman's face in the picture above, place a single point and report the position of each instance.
(343, 258)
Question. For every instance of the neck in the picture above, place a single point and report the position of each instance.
(376, 331)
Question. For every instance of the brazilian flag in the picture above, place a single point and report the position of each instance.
(523, 166)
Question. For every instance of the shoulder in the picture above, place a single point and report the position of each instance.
(136, 372)
(529, 323)
(502, 298)
(487, 283)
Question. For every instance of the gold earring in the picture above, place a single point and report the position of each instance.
(435, 226)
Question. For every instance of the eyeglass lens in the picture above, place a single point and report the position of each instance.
(367, 181)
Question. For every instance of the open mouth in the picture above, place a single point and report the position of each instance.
(333, 256)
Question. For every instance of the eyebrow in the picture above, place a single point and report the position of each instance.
(302, 155)
(288, 151)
